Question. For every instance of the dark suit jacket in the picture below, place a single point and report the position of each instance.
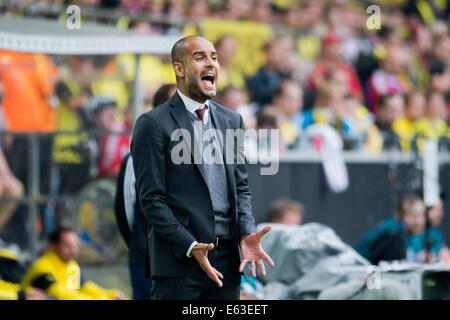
(175, 198)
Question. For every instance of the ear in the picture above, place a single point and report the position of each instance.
(179, 69)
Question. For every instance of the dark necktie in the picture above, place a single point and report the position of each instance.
(200, 112)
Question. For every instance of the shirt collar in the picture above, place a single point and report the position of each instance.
(192, 105)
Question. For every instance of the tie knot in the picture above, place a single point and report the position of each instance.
(201, 112)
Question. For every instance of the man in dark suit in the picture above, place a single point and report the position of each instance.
(202, 230)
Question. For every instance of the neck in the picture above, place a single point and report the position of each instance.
(184, 91)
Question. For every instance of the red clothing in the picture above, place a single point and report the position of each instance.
(382, 83)
(113, 148)
(322, 68)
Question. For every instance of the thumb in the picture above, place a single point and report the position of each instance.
(264, 231)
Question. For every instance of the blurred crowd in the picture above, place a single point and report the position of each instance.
(285, 64)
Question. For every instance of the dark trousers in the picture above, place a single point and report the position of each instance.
(200, 287)
(141, 285)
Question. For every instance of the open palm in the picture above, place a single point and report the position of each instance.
(253, 253)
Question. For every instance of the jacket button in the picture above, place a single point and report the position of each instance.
(210, 217)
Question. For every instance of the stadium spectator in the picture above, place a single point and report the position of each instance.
(288, 103)
(115, 144)
(404, 127)
(416, 235)
(236, 100)
(28, 80)
(390, 108)
(59, 275)
(197, 9)
(11, 272)
(286, 211)
(439, 78)
(433, 125)
(329, 107)
(403, 235)
(332, 59)
(386, 79)
(281, 211)
(229, 73)
(264, 83)
(70, 151)
(164, 93)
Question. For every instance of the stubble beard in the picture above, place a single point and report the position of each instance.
(194, 89)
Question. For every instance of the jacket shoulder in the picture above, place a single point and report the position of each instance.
(230, 114)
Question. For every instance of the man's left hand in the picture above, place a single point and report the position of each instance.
(253, 253)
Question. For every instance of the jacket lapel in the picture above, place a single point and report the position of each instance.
(180, 114)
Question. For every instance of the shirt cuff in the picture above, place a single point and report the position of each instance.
(188, 253)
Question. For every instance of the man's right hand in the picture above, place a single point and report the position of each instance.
(200, 253)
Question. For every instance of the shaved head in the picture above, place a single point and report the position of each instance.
(179, 49)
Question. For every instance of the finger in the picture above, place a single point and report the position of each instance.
(264, 231)
(218, 273)
(242, 265)
(212, 273)
(213, 276)
(253, 268)
(268, 259)
(261, 267)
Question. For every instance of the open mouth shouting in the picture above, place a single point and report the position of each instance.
(208, 80)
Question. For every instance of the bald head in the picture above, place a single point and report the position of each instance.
(179, 48)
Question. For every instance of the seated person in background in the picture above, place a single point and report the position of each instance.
(434, 125)
(287, 100)
(11, 272)
(286, 211)
(416, 237)
(264, 83)
(390, 108)
(389, 225)
(59, 275)
(401, 236)
(282, 211)
(404, 127)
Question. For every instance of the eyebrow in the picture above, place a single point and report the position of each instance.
(203, 53)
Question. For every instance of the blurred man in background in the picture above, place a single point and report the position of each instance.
(59, 275)
(390, 109)
(286, 211)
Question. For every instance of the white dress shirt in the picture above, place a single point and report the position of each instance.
(192, 105)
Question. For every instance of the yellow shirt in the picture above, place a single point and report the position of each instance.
(431, 129)
(68, 120)
(406, 131)
(62, 280)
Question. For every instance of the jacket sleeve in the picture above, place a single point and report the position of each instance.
(148, 151)
(9, 291)
(246, 221)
